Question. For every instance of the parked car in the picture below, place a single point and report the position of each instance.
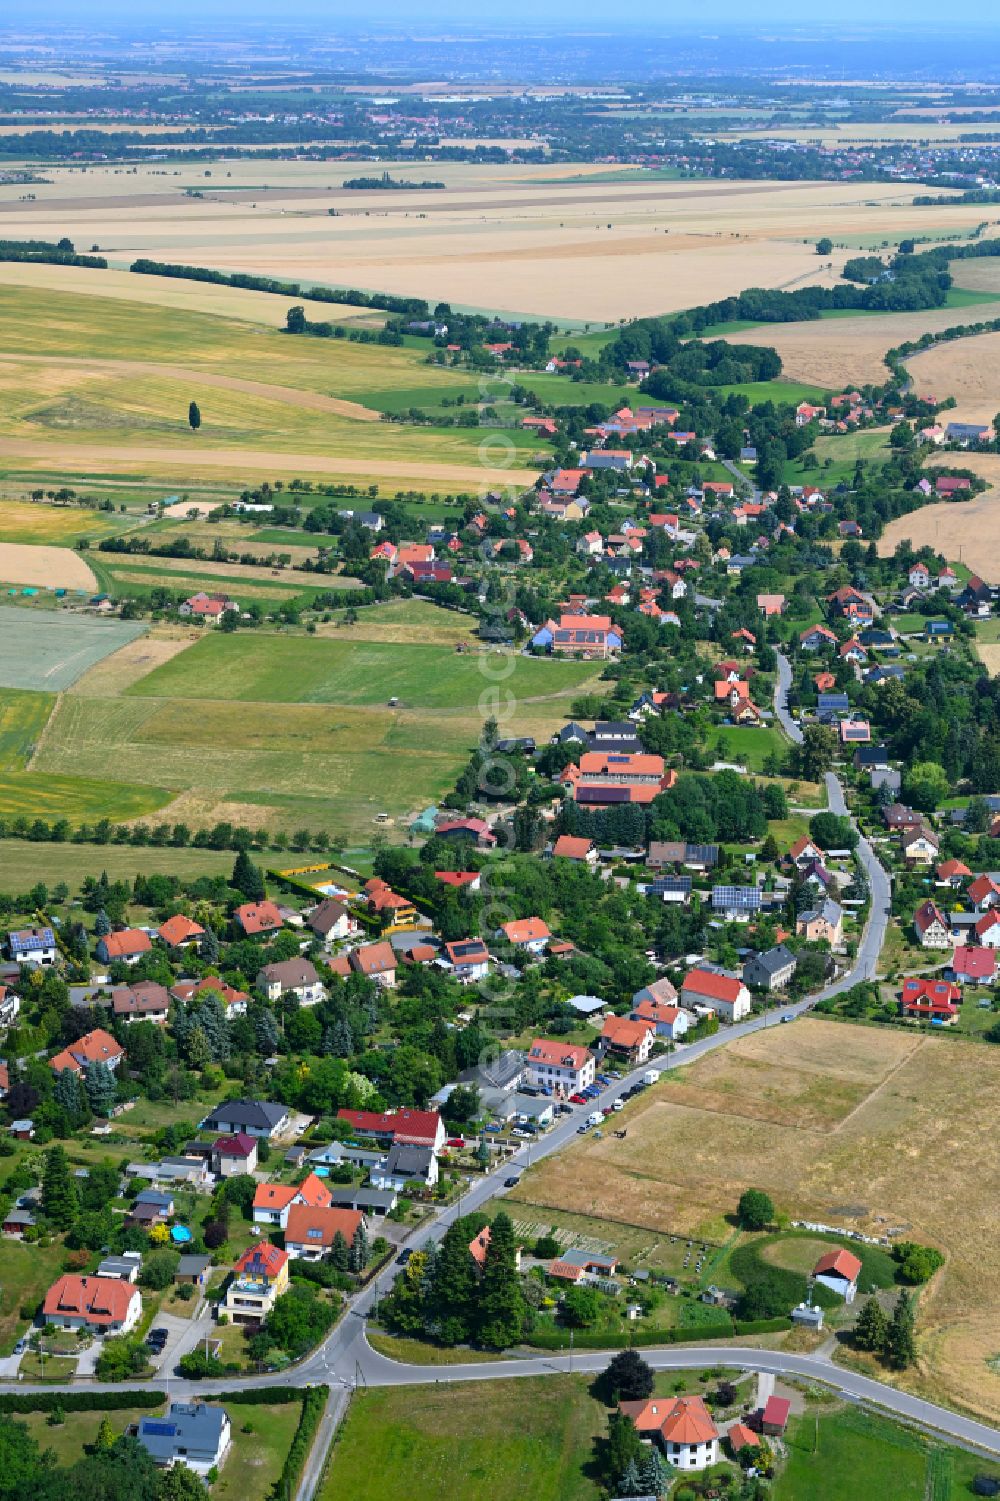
(404, 1256)
(789, 1016)
(578, 1099)
(511, 1182)
(618, 1105)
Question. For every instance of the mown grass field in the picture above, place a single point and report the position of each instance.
(138, 577)
(23, 717)
(290, 731)
(363, 673)
(750, 746)
(23, 862)
(46, 651)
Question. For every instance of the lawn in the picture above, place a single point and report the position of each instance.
(847, 1455)
(278, 669)
(26, 1273)
(254, 1463)
(532, 1438)
(837, 456)
(750, 746)
(68, 1439)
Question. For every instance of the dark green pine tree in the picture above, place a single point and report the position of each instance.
(59, 1202)
(624, 1448)
(358, 1254)
(67, 1093)
(101, 1089)
(900, 1344)
(247, 879)
(872, 1327)
(454, 1292)
(501, 1305)
(340, 1254)
(208, 948)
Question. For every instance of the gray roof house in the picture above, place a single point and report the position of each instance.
(404, 1164)
(771, 970)
(255, 1117)
(192, 1433)
(375, 1202)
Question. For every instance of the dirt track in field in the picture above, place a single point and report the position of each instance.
(310, 401)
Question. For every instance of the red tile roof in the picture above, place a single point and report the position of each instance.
(179, 929)
(100, 1301)
(258, 917)
(620, 1032)
(561, 1054)
(94, 1047)
(261, 1260)
(839, 1263)
(308, 1226)
(776, 1410)
(413, 1127)
(707, 982)
(237, 1145)
(973, 962)
(125, 943)
(526, 930)
(568, 847)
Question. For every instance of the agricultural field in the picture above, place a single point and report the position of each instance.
(843, 351)
(967, 531)
(41, 523)
(968, 369)
(315, 411)
(48, 651)
(852, 1125)
(292, 731)
(529, 240)
(44, 567)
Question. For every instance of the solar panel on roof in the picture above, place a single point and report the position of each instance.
(158, 1429)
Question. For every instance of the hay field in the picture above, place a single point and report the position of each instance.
(850, 1125)
(520, 239)
(41, 522)
(981, 275)
(964, 531)
(49, 567)
(968, 369)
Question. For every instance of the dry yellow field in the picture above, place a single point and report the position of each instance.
(965, 531)
(982, 275)
(835, 352)
(529, 239)
(185, 296)
(47, 567)
(850, 1125)
(968, 369)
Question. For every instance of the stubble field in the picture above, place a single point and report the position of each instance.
(965, 531)
(848, 1125)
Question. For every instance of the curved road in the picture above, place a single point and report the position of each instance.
(346, 1359)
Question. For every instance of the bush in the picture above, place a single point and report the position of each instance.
(755, 1210)
(916, 1263)
(76, 1401)
(312, 1411)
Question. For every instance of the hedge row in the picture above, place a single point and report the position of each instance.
(78, 1401)
(291, 1471)
(258, 1396)
(598, 1339)
(762, 1326)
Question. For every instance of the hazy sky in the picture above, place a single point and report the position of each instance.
(353, 14)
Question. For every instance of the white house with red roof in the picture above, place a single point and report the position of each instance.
(683, 1427)
(93, 1047)
(839, 1270)
(562, 1066)
(127, 946)
(972, 964)
(101, 1305)
(627, 1039)
(529, 933)
(724, 994)
(937, 1001)
(932, 926)
(272, 1201)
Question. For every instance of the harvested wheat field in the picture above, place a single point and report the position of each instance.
(979, 275)
(47, 567)
(848, 1125)
(533, 239)
(964, 531)
(112, 676)
(968, 369)
(835, 352)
